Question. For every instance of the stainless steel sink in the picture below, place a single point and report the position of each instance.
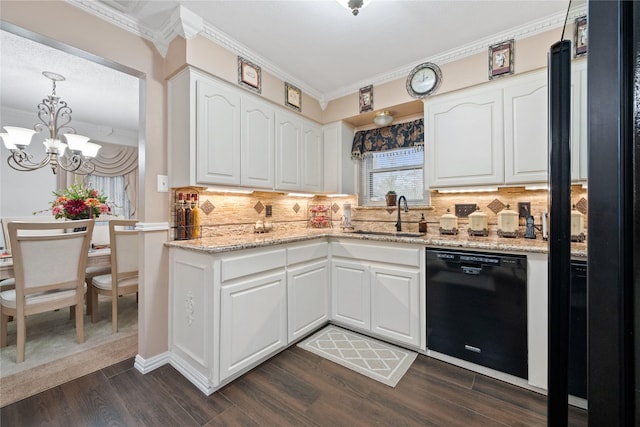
(389, 233)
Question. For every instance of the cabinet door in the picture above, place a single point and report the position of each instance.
(526, 129)
(339, 169)
(332, 176)
(395, 303)
(351, 294)
(253, 321)
(312, 157)
(288, 151)
(217, 134)
(257, 144)
(465, 145)
(308, 298)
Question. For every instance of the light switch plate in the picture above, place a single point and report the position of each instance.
(163, 183)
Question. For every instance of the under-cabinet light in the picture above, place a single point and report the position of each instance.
(226, 190)
(537, 187)
(468, 190)
(337, 195)
(300, 195)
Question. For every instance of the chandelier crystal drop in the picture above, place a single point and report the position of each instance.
(74, 155)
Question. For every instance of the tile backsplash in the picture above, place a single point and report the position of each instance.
(236, 212)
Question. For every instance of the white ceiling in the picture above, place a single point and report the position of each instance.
(315, 44)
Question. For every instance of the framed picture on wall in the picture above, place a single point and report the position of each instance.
(249, 75)
(366, 99)
(501, 59)
(292, 97)
(581, 36)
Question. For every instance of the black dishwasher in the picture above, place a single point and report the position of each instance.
(477, 308)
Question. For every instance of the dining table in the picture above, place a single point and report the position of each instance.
(97, 258)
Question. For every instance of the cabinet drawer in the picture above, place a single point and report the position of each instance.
(385, 254)
(307, 252)
(252, 263)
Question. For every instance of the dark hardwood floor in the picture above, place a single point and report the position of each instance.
(295, 388)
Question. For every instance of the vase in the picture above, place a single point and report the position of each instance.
(391, 199)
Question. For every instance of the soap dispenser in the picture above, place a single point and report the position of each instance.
(422, 225)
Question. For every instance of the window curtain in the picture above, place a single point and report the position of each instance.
(403, 135)
(112, 160)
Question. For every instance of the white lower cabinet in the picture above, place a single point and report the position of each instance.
(378, 289)
(395, 303)
(191, 295)
(307, 298)
(351, 293)
(253, 324)
(230, 311)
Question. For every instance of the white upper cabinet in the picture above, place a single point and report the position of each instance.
(312, 157)
(465, 138)
(257, 144)
(288, 151)
(526, 129)
(217, 134)
(222, 135)
(339, 168)
(498, 134)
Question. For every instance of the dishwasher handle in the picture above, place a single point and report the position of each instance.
(471, 270)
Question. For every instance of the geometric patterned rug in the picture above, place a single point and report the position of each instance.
(375, 359)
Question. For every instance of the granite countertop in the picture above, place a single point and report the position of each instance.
(225, 242)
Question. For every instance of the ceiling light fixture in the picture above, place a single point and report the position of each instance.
(354, 5)
(55, 116)
(383, 118)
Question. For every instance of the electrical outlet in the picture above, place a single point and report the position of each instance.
(269, 210)
(163, 183)
(463, 210)
(524, 209)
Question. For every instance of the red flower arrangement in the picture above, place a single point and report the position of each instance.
(79, 202)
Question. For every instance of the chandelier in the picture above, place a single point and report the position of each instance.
(354, 5)
(73, 156)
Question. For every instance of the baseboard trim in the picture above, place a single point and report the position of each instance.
(195, 377)
(145, 366)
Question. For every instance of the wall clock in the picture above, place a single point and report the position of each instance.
(423, 80)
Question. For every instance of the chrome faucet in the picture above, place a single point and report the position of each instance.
(406, 209)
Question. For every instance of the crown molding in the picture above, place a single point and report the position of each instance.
(187, 24)
(520, 32)
(182, 22)
(119, 19)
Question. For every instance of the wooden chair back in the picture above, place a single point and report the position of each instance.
(44, 260)
(34, 218)
(124, 252)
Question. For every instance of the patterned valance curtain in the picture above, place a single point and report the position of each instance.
(403, 135)
(112, 160)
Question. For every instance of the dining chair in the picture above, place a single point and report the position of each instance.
(10, 283)
(49, 271)
(99, 239)
(123, 280)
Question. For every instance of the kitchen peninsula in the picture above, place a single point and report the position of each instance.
(238, 299)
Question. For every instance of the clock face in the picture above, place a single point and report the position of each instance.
(423, 80)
